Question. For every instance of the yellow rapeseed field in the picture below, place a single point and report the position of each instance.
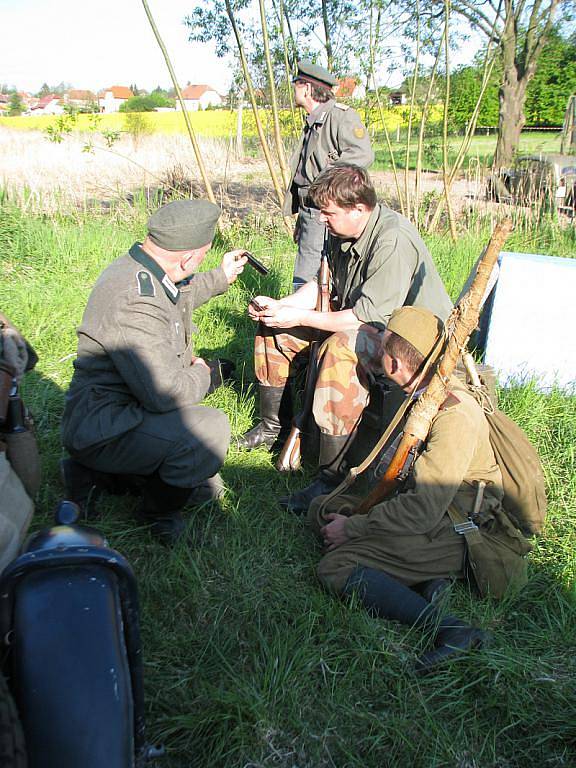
(217, 123)
(214, 123)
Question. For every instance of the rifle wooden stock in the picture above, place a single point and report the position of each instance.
(462, 321)
(290, 458)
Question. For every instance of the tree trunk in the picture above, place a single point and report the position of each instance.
(511, 120)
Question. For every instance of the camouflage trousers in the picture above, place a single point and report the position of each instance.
(347, 362)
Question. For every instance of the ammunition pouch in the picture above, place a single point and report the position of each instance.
(495, 551)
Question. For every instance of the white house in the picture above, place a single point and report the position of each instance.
(110, 99)
(197, 97)
(49, 105)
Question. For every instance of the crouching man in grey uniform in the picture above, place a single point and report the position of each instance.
(132, 407)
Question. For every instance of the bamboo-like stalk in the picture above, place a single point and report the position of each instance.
(489, 61)
(274, 101)
(252, 95)
(287, 67)
(445, 173)
(425, 108)
(189, 128)
(411, 112)
(381, 112)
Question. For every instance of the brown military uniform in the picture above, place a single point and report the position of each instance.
(132, 403)
(411, 536)
(388, 266)
(332, 133)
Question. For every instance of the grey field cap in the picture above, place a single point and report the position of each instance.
(314, 73)
(183, 224)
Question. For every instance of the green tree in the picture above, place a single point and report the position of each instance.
(146, 103)
(15, 105)
(521, 29)
(553, 83)
(465, 87)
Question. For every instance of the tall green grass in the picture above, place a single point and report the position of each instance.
(247, 661)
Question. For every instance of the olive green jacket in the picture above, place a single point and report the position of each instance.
(135, 350)
(388, 266)
(337, 135)
(457, 455)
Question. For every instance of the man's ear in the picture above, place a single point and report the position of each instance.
(185, 259)
(395, 364)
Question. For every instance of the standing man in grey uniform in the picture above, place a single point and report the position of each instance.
(132, 407)
(332, 133)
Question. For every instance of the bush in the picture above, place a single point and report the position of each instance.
(146, 103)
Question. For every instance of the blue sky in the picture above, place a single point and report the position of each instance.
(109, 42)
(94, 45)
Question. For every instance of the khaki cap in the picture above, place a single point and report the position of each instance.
(418, 326)
(183, 224)
(314, 73)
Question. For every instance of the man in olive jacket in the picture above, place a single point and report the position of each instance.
(407, 543)
(132, 407)
(333, 133)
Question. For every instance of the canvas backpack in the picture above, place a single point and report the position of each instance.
(522, 476)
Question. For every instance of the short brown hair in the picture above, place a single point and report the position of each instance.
(320, 93)
(398, 347)
(345, 185)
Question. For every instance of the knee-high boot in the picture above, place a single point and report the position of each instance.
(275, 415)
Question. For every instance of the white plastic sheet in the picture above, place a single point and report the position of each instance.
(532, 325)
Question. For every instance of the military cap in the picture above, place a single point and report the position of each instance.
(418, 326)
(314, 73)
(183, 224)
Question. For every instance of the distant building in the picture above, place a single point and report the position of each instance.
(397, 98)
(349, 88)
(197, 97)
(81, 99)
(110, 99)
(51, 104)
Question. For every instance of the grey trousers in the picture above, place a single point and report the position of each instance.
(185, 447)
(310, 242)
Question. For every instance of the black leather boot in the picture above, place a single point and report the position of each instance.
(332, 471)
(454, 637)
(275, 415)
(161, 509)
(84, 486)
(388, 598)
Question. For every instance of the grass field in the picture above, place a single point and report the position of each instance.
(248, 664)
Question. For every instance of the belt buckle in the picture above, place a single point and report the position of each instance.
(467, 527)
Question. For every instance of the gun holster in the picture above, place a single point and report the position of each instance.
(69, 615)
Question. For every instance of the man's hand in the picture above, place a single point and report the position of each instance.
(334, 534)
(259, 305)
(283, 316)
(199, 361)
(275, 313)
(233, 264)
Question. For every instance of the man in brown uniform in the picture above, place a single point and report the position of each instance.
(333, 133)
(409, 539)
(377, 263)
(133, 403)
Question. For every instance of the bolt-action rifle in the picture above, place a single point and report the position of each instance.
(290, 457)
(460, 324)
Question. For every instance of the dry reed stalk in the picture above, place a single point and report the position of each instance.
(50, 175)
